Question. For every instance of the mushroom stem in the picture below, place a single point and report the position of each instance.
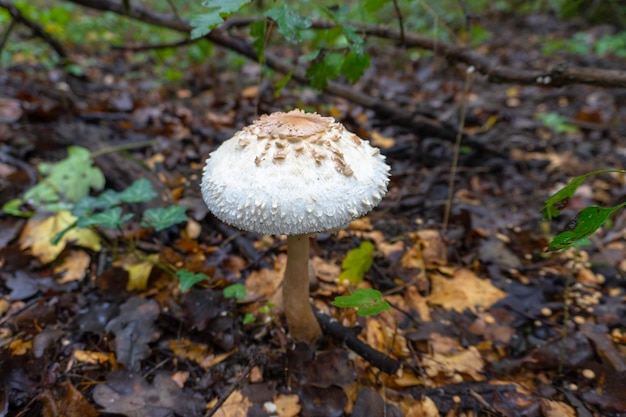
(301, 320)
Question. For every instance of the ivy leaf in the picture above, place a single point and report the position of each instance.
(586, 222)
(236, 291)
(354, 65)
(367, 301)
(188, 279)
(110, 219)
(356, 263)
(162, 218)
(290, 24)
(66, 181)
(139, 191)
(218, 11)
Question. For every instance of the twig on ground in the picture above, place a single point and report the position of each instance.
(254, 359)
(347, 336)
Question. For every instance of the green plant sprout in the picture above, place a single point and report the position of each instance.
(354, 267)
(367, 301)
(586, 222)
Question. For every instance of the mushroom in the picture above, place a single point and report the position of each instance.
(294, 174)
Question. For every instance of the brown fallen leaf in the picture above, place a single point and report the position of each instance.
(129, 394)
(464, 291)
(94, 358)
(551, 408)
(423, 407)
(463, 362)
(65, 401)
(287, 405)
(74, 266)
(235, 406)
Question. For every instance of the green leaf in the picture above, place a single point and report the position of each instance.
(290, 24)
(188, 279)
(558, 201)
(328, 67)
(249, 318)
(13, 208)
(218, 11)
(367, 301)
(586, 222)
(162, 218)
(258, 33)
(66, 181)
(357, 263)
(280, 84)
(371, 6)
(236, 291)
(110, 219)
(139, 191)
(354, 65)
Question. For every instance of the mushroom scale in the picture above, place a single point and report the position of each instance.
(293, 173)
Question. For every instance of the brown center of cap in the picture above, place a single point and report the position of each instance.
(293, 124)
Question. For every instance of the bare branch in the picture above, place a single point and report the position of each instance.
(38, 31)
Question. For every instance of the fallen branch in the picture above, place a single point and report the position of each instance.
(38, 31)
(347, 336)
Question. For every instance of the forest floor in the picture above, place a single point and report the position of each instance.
(484, 320)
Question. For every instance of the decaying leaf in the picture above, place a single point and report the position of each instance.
(462, 362)
(463, 291)
(551, 408)
(423, 407)
(74, 266)
(263, 284)
(129, 394)
(235, 406)
(39, 232)
(287, 405)
(134, 329)
(66, 401)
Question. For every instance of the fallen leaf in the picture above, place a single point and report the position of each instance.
(434, 249)
(463, 291)
(129, 394)
(287, 405)
(235, 406)
(422, 407)
(74, 266)
(464, 362)
(39, 232)
(65, 401)
(20, 347)
(139, 270)
(263, 284)
(134, 328)
(94, 358)
(381, 141)
(551, 408)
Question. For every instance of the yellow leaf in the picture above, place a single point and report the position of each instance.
(138, 270)
(551, 408)
(382, 141)
(39, 232)
(94, 358)
(464, 291)
(235, 406)
(20, 347)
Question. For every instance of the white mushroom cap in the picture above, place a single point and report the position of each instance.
(293, 173)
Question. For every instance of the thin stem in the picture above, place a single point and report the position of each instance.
(455, 157)
(124, 147)
(301, 320)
